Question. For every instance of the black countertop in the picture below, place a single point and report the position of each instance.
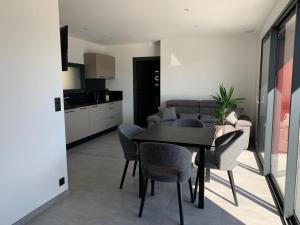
(67, 107)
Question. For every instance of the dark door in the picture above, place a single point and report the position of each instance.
(146, 83)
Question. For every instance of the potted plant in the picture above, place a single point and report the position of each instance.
(226, 103)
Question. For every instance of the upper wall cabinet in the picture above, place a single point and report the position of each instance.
(98, 66)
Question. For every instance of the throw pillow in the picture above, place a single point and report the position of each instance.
(231, 118)
(189, 115)
(167, 114)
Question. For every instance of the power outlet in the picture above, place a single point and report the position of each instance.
(61, 181)
(57, 104)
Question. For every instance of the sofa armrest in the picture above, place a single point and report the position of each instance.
(243, 123)
(244, 117)
(153, 120)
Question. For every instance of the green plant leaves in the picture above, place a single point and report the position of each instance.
(225, 102)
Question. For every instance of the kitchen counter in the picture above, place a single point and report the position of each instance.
(67, 107)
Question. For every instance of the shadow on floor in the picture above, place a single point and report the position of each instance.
(246, 194)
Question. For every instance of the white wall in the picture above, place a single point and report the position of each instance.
(124, 71)
(193, 68)
(78, 47)
(274, 13)
(32, 146)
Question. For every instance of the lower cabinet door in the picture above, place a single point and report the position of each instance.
(69, 125)
(77, 124)
(95, 122)
(83, 123)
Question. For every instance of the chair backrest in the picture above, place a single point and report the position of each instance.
(168, 156)
(188, 122)
(126, 132)
(228, 147)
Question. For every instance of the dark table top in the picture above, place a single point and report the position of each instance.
(185, 136)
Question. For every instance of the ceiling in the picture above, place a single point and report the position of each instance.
(133, 21)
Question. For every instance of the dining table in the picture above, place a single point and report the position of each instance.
(199, 138)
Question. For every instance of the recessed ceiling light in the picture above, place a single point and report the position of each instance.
(186, 9)
(196, 26)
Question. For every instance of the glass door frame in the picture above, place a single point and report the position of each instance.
(264, 40)
(285, 204)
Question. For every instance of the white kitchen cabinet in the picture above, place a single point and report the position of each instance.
(96, 125)
(77, 124)
(105, 116)
(70, 125)
(83, 122)
(89, 120)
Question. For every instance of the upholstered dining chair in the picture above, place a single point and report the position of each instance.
(188, 122)
(227, 149)
(126, 132)
(166, 163)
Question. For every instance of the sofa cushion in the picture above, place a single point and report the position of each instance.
(231, 118)
(167, 114)
(185, 103)
(189, 115)
(184, 106)
(208, 119)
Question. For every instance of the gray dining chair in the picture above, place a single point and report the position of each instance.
(227, 149)
(126, 132)
(166, 163)
(188, 122)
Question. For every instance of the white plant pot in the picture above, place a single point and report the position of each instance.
(223, 129)
(220, 130)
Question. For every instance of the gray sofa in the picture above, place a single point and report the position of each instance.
(205, 109)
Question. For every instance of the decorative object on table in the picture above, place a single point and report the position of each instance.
(226, 104)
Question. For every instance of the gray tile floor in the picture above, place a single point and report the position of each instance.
(94, 174)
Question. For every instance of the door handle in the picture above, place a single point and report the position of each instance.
(257, 101)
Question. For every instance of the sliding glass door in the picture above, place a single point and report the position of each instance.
(282, 101)
(263, 95)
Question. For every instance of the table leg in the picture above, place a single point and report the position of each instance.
(201, 169)
(141, 177)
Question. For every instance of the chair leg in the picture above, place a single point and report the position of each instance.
(152, 188)
(180, 203)
(124, 173)
(191, 190)
(230, 175)
(196, 186)
(134, 168)
(143, 198)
